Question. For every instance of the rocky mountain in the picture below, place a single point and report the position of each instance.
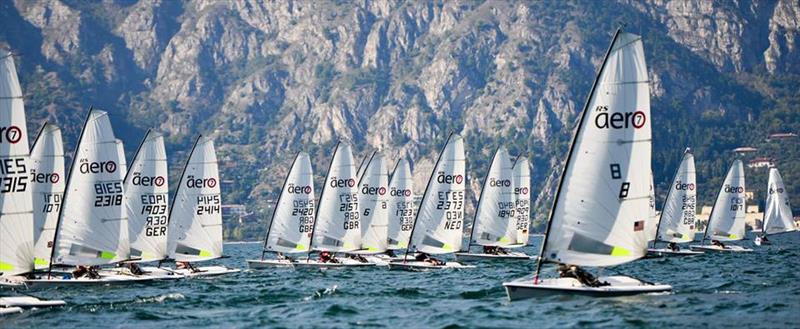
(270, 79)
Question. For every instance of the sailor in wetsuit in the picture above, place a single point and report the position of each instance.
(327, 257)
(423, 257)
(584, 277)
(494, 250)
(673, 246)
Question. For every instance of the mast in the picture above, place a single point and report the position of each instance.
(361, 177)
(483, 189)
(669, 192)
(569, 155)
(316, 209)
(38, 135)
(66, 189)
(425, 195)
(277, 202)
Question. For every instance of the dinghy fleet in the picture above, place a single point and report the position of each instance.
(107, 222)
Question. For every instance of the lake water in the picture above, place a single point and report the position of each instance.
(759, 289)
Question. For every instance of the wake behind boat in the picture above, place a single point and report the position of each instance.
(602, 200)
(17, 304)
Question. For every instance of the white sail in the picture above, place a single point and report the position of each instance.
(47, 178)
(337, 224)
(91, 222)
(195, 218)
(726, 222)
(522, 190)
(401, 205)
(374, 204)
(778, 216)
(677, 222)
(293, 217)
(602, 202)
(146, 200)
(124, 245)
(440, 218)
(651, 225)
(495, 223)
(16, 205)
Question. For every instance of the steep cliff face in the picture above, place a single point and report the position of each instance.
(269, 79)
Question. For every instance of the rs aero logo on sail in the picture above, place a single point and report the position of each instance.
(342, 182)
(192, 182)
(98, 167)
(733, 189)
(773, 190)
(140, 180)
(683, 186)
(449, 179)
(399, 192)
(618, 120)
(366, 189)
(11, 135)
(44, 178)
(499, 182)
(294, 189)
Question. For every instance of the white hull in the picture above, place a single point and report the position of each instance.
(257, 264)
(152, 272)
(10, 310)
(713, 248)
(513, 255)
(425, 266)
(666, 252)
(27, 302)
(60, 280)
(206, 271)
(619, 286)
(12, 281)
(343, 262)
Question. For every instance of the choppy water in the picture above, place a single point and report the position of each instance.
(760, 289)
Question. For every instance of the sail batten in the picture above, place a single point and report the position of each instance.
(602, 204)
